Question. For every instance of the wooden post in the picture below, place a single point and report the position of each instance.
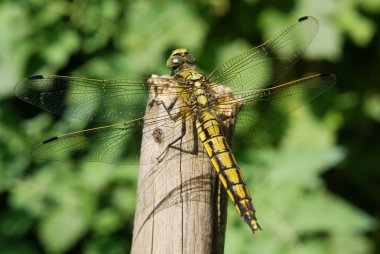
(181, 205)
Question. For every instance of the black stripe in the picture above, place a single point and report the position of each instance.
(240, 176)
(208, 137)
(234, 165)
(230, 185)
(213, 149)
(202, 122)
(243, 210)
(221, 166)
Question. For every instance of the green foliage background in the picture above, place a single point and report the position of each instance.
(316, 186)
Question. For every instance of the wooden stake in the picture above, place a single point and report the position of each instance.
(181, 206)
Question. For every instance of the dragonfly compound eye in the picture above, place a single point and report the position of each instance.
(190, 59)
(177, 60)
(174, 61)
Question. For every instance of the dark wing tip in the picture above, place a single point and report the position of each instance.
(303, 18)
(49, 140)
(330, 79)
(332, 76)
(35, 77)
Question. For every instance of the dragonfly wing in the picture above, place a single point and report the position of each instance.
(119, 143)
(89, 99)
(105, 144)
(266, 64)
(262, 109)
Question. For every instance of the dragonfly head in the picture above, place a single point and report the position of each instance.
(180, 59)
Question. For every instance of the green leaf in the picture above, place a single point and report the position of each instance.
(61, 229)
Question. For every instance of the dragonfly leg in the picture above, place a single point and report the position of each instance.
(193, 151)
(168, 109)
(172, 145)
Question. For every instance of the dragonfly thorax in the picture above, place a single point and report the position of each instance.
(195, 84)
(197, 94)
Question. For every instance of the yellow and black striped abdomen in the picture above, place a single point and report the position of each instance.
(224, 162)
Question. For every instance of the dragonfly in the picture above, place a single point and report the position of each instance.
(247, 85)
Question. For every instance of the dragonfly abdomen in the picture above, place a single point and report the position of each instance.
(224, 162)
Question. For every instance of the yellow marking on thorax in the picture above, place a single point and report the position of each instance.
(202, 100)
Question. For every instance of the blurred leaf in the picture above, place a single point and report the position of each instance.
(372, 107)
(58, 51)
(61, 229)
(338, 218)
(144, 43)
(57, 199)
(372, 6)
(14, 27)
(231, 49)
(100, 245)
(360, 28)
(106, 221)
(123, 199)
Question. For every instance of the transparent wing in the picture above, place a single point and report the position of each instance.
(118, 143)
(266, 64)
(108, 144)
(262, 109)
(88, 99)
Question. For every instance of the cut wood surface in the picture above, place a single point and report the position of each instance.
(181, 207)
